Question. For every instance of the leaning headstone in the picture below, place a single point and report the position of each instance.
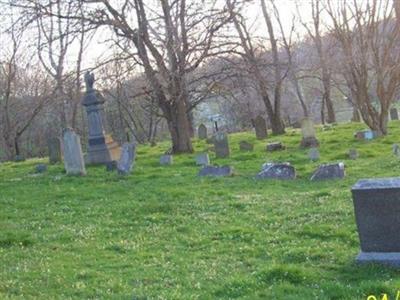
(216, 171)
(221, 145)
(202, 132)
(54, 147)
(396, 150)
(329, 171)
(245, 146)
(377, 208)
(394, 115)
(40, 168)
(353, 154)
(283, 171)
(309, 139)
(313, 154)
(166, 159)
(275, 146)
(111, 166)
(261, 128)
(127, 159)
(202, 159)
(73, 157)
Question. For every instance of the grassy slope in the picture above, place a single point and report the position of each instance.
(162, 232)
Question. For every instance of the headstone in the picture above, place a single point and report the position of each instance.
(283, 171)
(111, 166)
(313, 154)
(365, 135)
(377, 209)
(54, 147)
(275, 146)
(245, 146)
(329, 171)
(261, 128)
(127, 159)
(202, 132)
(202, 159)
(101, 148)
(216, 171)
(394, 115)
(221, 145)
(309, 139)
(73, 157)
(166, 159)
(353, 154)
(396, 150)
(40, 168)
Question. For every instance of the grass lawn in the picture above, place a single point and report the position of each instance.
(164, 233)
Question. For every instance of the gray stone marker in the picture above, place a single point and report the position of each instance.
(111, 166)
(309, 139)
(202, 132)
(365, 135)
(313, 154)
(221, 145)
(246, 146)
(353, 154)
(261, 128)
(40, 168)
(394, 115)
(216, 171)
(377, 211)
(166, 159)
(202, 159)
(73, 156)
(127, 159)
(396, 150)
(275, 146)
(283, 171)
(54, 147)
(329, 171)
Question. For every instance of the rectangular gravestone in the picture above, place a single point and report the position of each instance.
(394, 115)
(202, 132)
(261, 128)
(127, 159)
(166, 160)
(221, 145)
(377, 210)
(54, 147)
(202, 159)
(73, 156)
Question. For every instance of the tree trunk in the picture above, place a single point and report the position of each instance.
(277, 125)
(331, 118)
(356, 115)
(16, 146)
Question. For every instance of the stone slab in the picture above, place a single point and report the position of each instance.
(388, 258)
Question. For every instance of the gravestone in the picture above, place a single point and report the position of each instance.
(166, 159)
(275, 146)
(101, 148)
(73, 156)
(329, 171)
(365, 135)
(394, 115)
(216, 171)
(221, 145)
(202, 159)
(313, 154)
(353, 154)
(40, 168)
(245, 146)
(111, 166)
(396, 150)
(127, 159)
(283, 171)
(202, 132)
(377, 209)
(309, 139)
(54, 147)
(261, 128)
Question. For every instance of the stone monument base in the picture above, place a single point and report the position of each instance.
(385, 258)
(310, 142)
(103, 153)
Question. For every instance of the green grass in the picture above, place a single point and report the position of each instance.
(164, 233)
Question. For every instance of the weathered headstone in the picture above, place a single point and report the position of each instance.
(216, 171)
(329, 171)
(394, 115)
(365, 135)
(127, 159)
(73, 156)
(54, 147)
(353, 154)
(202, 132)
(309, 139)
(275, 146)
(202, 159)
(396, 150)
(283, 171)
(313, 154)
(377, 210)
(245, 146)
(221, 145)
(40, 168)
(261, 128)
(166, 159)
(111, 166)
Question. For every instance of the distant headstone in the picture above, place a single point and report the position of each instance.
(313, 154)
(353, 154)
(394, 115)
(73, 157)
(111, 166)
(216, 171)
(283, 171)
(166, 159)
(202, 159)
(202, 132)
(396, 150)
(329, 171)
(19, 158)
(40, 168)
(127, 159)
(221, 145)
(377, 210)
(365, 135)
(309, 139)
(275, 146)
(54, 147)
(245, 146)
(261, 128)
